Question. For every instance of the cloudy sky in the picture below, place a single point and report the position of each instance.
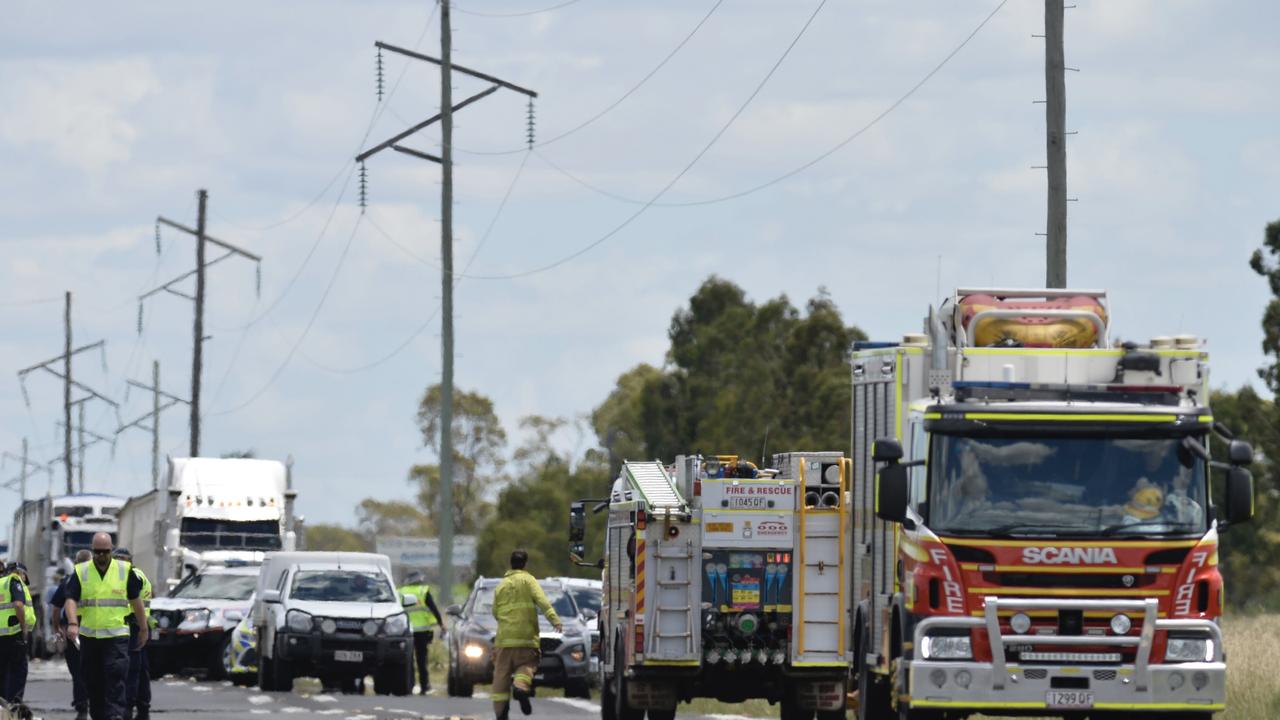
(112, 115)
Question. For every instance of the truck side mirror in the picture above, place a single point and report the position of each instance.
(172, 539)
(1239, 453)
(577, 522)
(1239, 495)
(886, 450)
(892, 492)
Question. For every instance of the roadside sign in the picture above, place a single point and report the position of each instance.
(424, 553)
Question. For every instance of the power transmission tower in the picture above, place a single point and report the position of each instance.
(81, 445)
(197, 350)
(20, 482)
(68, 382)
(154, 417)
(1055, 144)
(445, 118)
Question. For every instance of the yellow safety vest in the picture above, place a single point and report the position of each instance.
(420, 617)
(145, 595)
(8, 615)
(29, 608)
(102, 599)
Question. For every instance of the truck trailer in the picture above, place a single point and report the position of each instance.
(1034, 528)
(726, 581)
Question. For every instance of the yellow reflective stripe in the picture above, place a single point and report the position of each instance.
(982, 542)
(7, 630)
(5, 606)
(114, 632)
(1066, 592)
(500, 697)
(1071, 417)
(1067, 569)
(522, 676)
(104, 603)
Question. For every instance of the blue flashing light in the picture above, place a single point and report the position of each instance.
(873, 345)
(961, 384)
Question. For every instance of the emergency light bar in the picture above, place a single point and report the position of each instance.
(985, 390)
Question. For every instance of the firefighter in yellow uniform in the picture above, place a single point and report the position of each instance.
(137, 688)
(516, 603)
(98, 595)
(14, 608)
(421, 621)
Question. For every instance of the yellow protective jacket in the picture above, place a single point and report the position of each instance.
(420, 617)
(516, 604)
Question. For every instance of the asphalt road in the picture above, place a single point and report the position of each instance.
(49, 696)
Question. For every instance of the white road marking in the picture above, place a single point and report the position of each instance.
(260, 699)
(578, 703)
(324, 698)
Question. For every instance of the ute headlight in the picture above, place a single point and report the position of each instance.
(298, 621)
(473, 651)
(1189, 650)
(1020, 623)
(947, 647)
(1121, 624)
(396, 624)
(578, 653)
(370, 627)
(195, 619)
(328, 626)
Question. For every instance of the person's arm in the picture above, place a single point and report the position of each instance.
(430, 602)
(19, 604)
(134, 593)
(72, 594)
(543, 604)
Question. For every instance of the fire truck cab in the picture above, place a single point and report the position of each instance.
(1034, 530)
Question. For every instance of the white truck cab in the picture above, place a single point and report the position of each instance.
(335, 616)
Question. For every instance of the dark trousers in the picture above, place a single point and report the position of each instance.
(105, 664)
(79, 695)
(421, 642)
(137, 691)
(13, 668)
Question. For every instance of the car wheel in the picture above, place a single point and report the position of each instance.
(393, 680)
(155, 663)
(577, 689)
(220, 664)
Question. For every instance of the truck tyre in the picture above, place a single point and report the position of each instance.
(608, 705)
(621, 709)
(873, 696)
(791, 710)
(662, 714)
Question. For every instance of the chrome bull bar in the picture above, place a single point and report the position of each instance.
(1148, 607)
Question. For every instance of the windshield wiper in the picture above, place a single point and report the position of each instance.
(1168, 526)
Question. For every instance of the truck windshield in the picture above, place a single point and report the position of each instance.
(203, 534)
(341, 586)
(74, 541)
(1074, 485)
(216, 586)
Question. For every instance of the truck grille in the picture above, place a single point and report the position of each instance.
(1108, 581)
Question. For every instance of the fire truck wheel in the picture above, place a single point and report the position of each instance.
(662, 714)
(608, 706)
(621, 709)
(791, 710)
(873, 696)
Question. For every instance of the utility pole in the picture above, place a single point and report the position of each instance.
(154, 417)
(197, 349)
(81, 445)
(68, 382)
(444, 513)
(80, 437)
(21, 482)
(1055, 144)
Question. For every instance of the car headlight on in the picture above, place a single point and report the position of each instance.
(298, 621)
(947, 647)
(1189, 650)
(195, 619)
(473, 651)
(370, 627)
(396, 624)
(578, 653)
(328, 626)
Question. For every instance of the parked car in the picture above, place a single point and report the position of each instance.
(193, 624)
(334, 616)
(565, 656)
(587, 595)
(240, 652)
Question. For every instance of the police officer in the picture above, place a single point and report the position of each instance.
(137, 689)
(16, 682)
(516, 603)
(97, 596)
(13, 646)
(71, 652)
(421, 621)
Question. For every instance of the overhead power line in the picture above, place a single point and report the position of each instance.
(524, 13)
(796, 170)
(621, 98)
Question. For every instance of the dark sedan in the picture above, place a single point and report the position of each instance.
(565, 656)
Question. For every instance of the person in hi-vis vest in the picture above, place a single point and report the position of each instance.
(13, 631)
(98, 595)
(421, 622)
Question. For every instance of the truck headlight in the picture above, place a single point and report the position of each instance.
(1189, 650)
(298, 621)
(946, 647)
(1121, 624)
(473, 651)
(195, 619)
(396, 624)
(578, 653)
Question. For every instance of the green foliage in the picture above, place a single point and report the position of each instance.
(532, 511)
(1248, 551)
(740, 378)
(471, 508)
(392, 517)
(479, 445)
(335, 537)
(1271, 316)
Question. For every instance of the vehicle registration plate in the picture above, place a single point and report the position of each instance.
(749, 503)
(348, 655)
(1068, 699)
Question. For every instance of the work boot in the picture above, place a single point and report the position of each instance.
(142, 713)
(522, 697)
(506, 713)
(82, 713)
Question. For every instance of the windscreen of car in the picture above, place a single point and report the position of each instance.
(1074, 485)
(586, 598)
(216, 586)
(559, 600)
(341, 586)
